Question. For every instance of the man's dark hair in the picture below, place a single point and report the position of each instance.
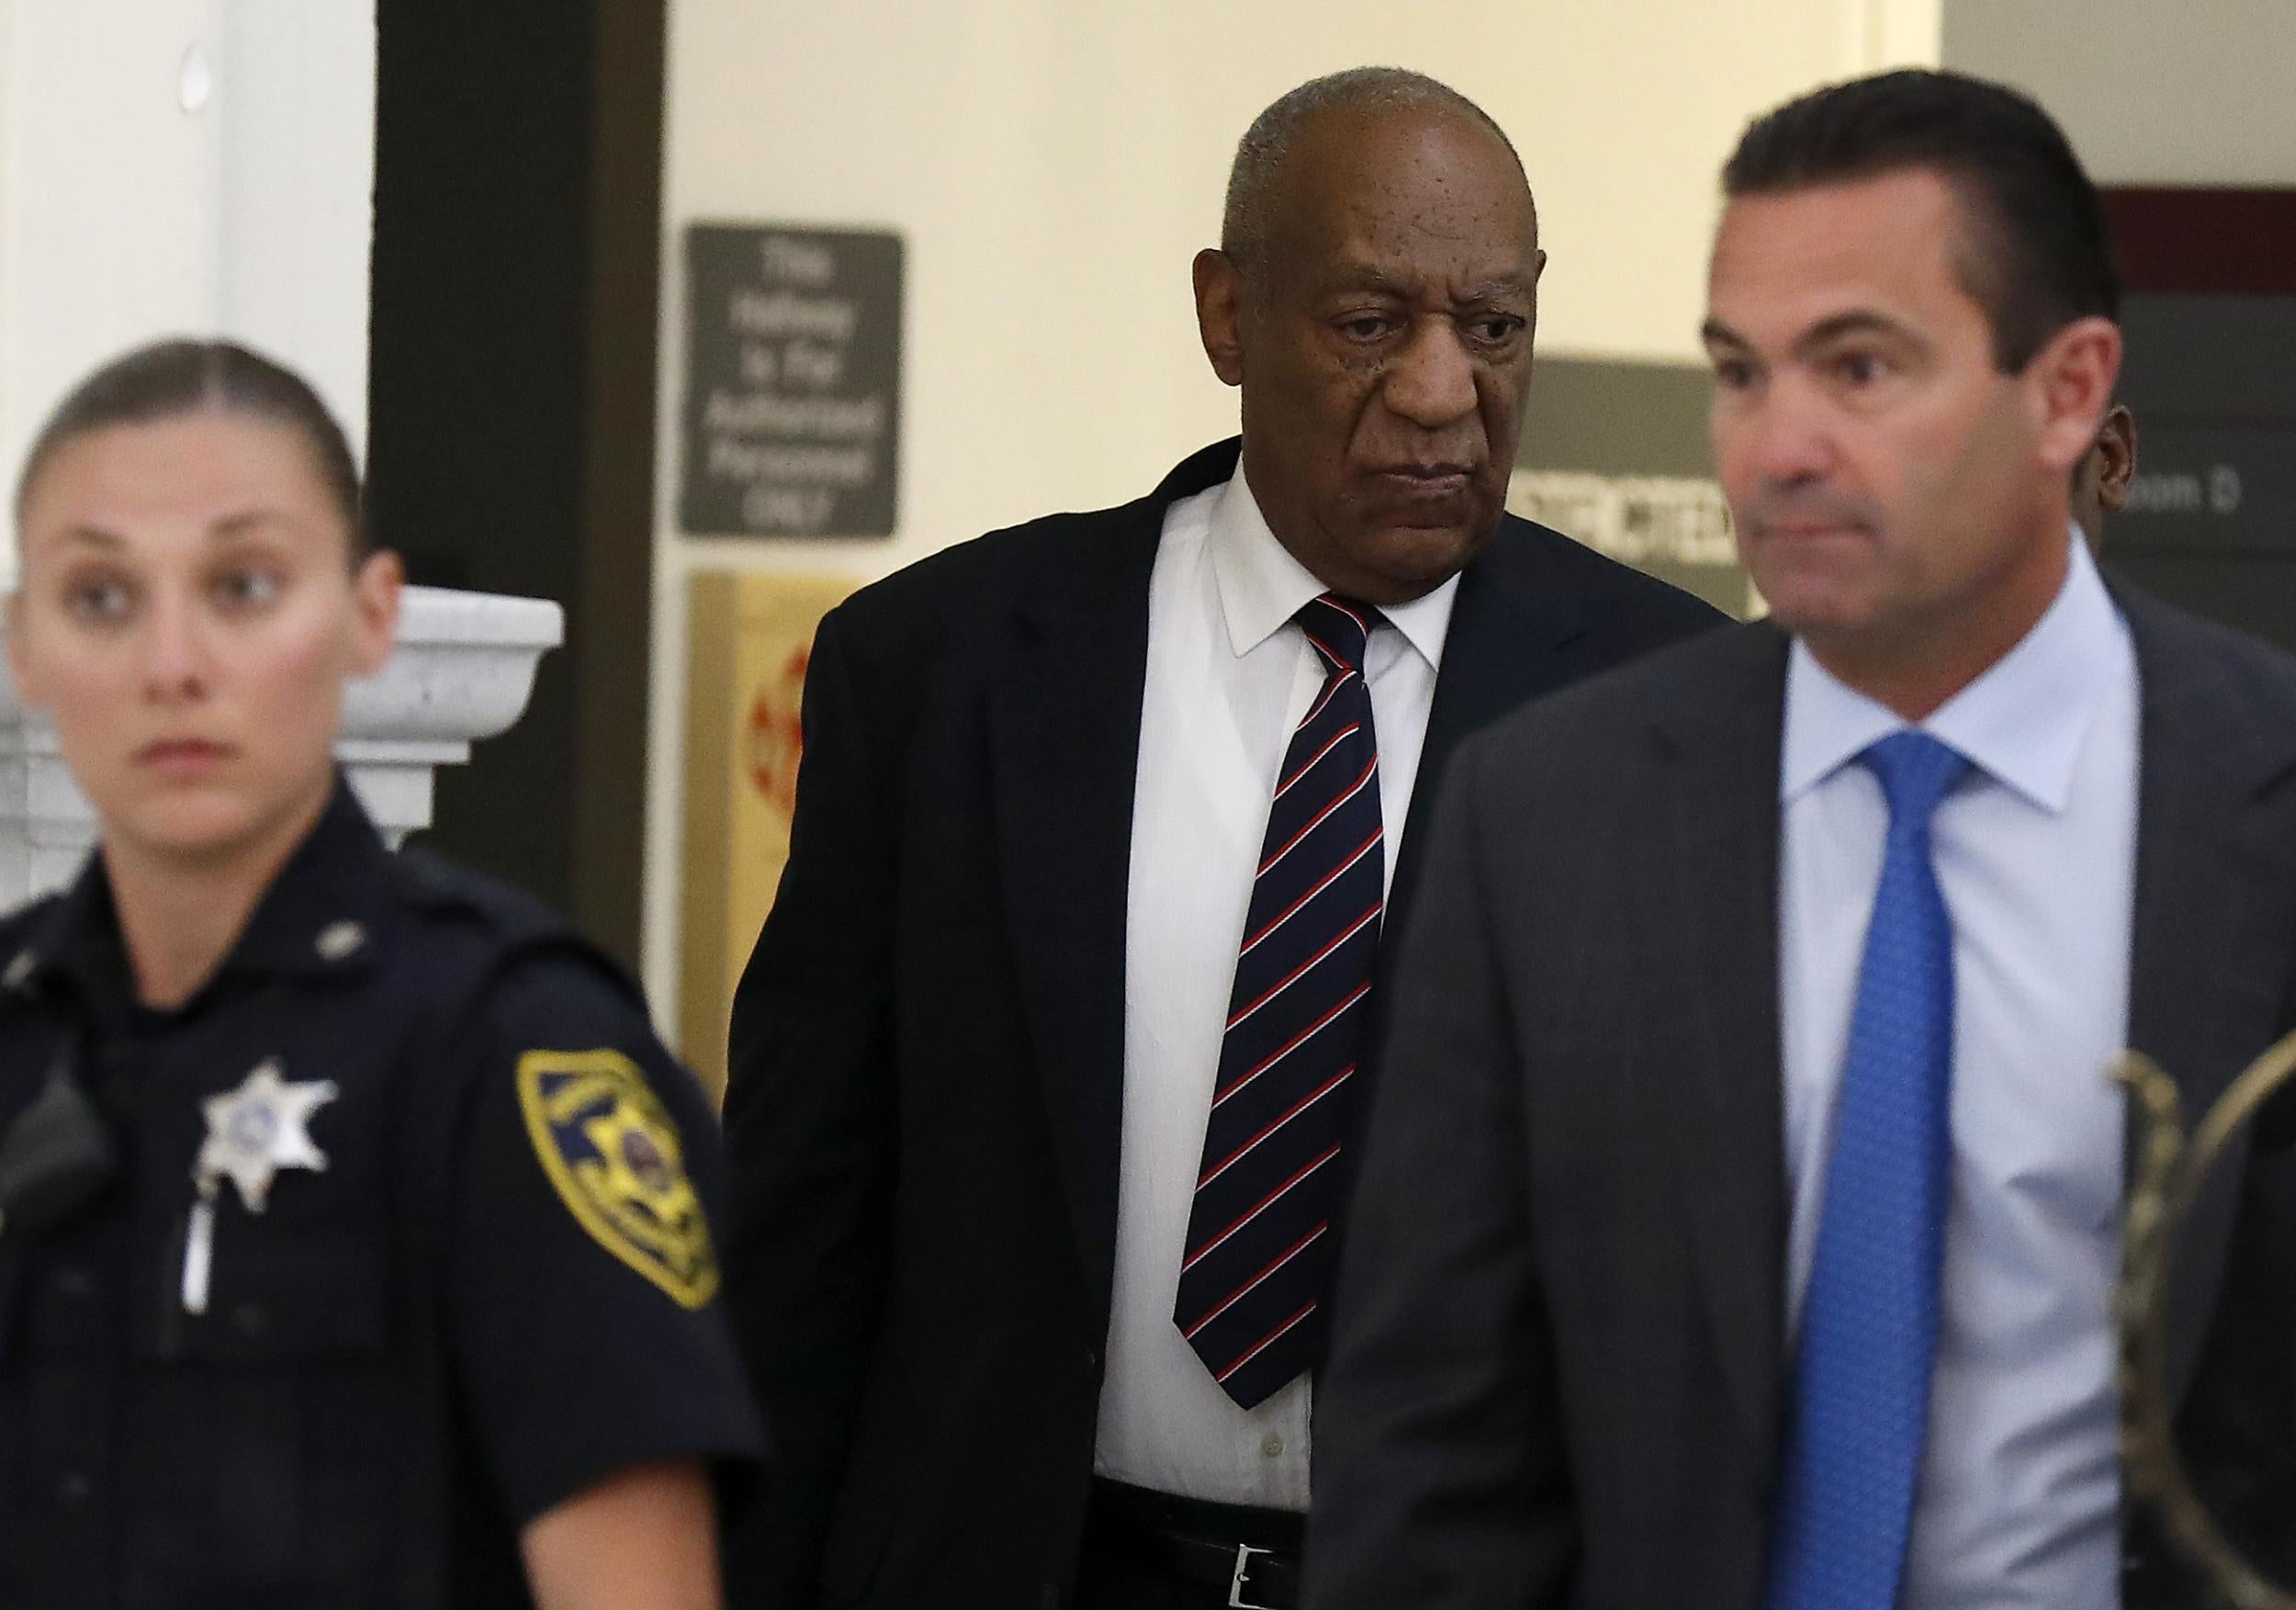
(1254, 179)
(2037, 253)
(169, 378)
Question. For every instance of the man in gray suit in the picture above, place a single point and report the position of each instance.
(1741, 1218)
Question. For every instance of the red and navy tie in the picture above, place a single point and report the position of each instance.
(1257, 1264)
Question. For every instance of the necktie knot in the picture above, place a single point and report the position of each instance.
(1916, 771)
(1339, 627)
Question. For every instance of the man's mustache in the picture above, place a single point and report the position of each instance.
(1767, 511)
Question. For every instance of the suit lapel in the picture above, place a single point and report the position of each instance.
(1063, 706)
(1711, 883)
(2214, 950)
(1064, 735)
(2211, 941)
(1508, 643)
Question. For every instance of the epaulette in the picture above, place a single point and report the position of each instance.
(433, 883)
(515, 923)
(26, 940)
(15, 923)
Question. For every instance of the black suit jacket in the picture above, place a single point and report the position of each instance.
(1559, 1358)
(926, 1046)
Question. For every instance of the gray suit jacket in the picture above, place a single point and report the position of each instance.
(1559, 1371)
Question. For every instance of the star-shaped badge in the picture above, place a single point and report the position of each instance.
(257, 1130)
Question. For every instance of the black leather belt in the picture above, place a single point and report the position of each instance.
(1247, 1558)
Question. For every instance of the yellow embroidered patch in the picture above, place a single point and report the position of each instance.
(609, 1148)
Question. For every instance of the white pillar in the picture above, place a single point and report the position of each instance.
(183, 167)
(207, 167)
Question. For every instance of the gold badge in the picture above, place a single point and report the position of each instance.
(610, 1147)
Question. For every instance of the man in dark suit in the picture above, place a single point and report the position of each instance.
(1044, 1071)
(1740, 1216)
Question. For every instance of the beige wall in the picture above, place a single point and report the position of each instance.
(2152, 92)
(1054, 166)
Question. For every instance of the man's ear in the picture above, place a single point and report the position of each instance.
(2073, 375)
(1220, 312)
(2116, 443)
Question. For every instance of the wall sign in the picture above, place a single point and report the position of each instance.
(2211, 521)
(1615, 455)
(792, 403)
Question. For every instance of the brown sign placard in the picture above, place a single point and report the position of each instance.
(792, 398)
(1614, 453)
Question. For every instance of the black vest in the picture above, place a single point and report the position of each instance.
(296, 1442)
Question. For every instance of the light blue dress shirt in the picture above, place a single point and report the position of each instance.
(2019, 1490)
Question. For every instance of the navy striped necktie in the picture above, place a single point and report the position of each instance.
(1258, 1263)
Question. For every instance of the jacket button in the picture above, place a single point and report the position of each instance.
(251, 1319)
(74, 1281)
(74, 1488)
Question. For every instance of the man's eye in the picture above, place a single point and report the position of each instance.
(1496, 329)
(1859, 368)
(249, 589)
(1365, 326)
(1733, 374)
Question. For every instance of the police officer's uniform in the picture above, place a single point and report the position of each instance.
(407, 1240)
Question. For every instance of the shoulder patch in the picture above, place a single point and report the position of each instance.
(611, 1149)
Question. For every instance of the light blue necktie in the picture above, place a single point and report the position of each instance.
(1860, 1406)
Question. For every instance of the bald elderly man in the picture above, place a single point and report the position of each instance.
(1046, 1071)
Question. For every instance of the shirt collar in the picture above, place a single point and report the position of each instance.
(2021, 722)
(320, 915)
(1262, 586)
(323, 911)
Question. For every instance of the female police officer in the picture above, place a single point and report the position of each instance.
(354, 1227)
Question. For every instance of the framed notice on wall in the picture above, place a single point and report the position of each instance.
(792, 398)
(750, 642)
(1615, 455)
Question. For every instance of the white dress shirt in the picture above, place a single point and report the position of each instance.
(1229, 677)
(2035, 853)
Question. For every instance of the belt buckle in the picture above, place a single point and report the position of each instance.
(1236, 1584)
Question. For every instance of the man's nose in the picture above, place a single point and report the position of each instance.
(1785, 435)
(1431, 382)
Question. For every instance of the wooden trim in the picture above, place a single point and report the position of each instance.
(2216, 241)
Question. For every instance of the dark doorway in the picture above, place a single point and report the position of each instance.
(2210, 321)
(517, 229)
